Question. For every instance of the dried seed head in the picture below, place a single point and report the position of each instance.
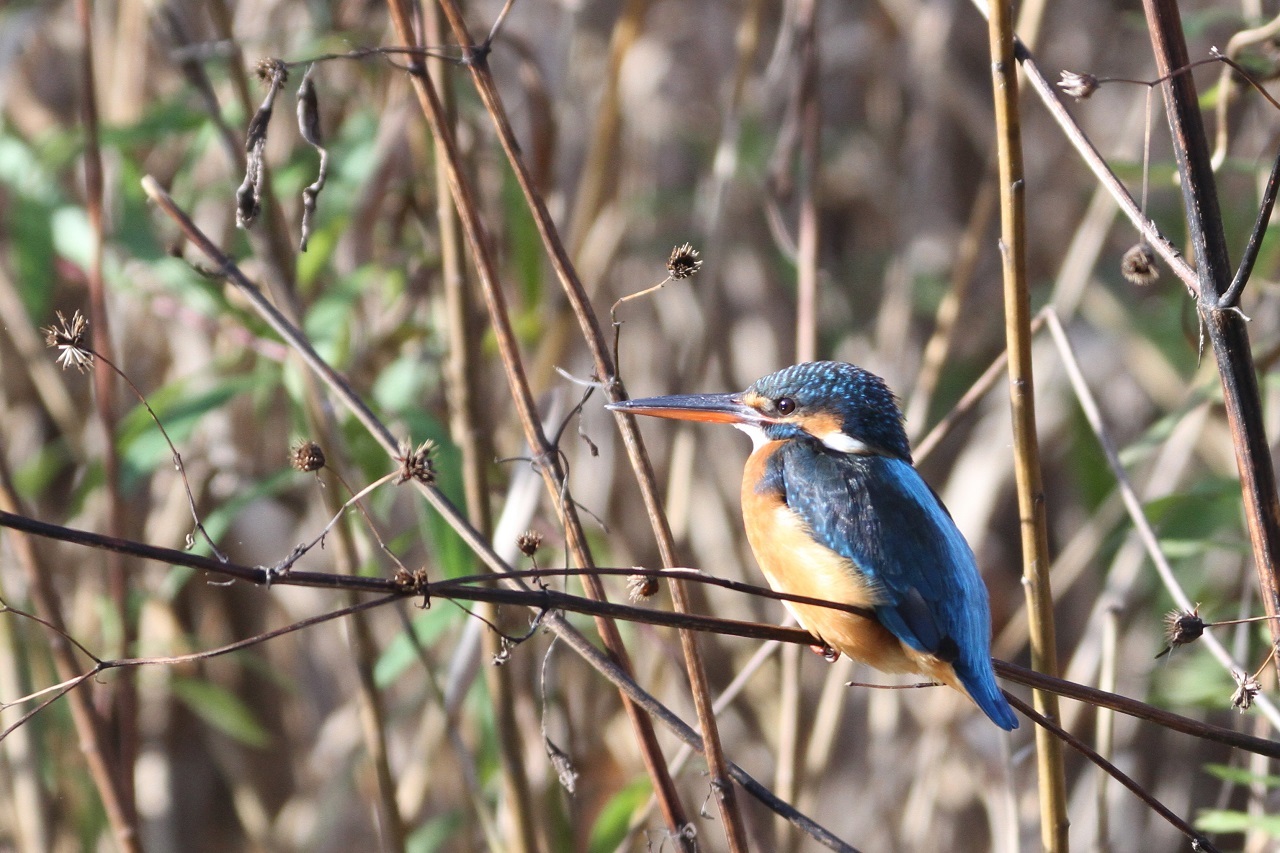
(1078, 86)
(529, 542)
(1138, 266)
(684, 262)
(1180, 628)
(306, 455)
(410, 579)
(69, 337)
(272, 71)
(640, 587)
(1247, 689)
(417, 464)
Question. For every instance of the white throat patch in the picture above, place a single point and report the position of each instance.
(758, 438)
(842, 443)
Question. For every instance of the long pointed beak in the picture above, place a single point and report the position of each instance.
(713, 408)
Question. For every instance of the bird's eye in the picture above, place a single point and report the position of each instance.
(785, 405)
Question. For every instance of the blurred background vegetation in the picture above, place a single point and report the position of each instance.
(647, 124)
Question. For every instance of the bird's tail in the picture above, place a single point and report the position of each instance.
(980, 683)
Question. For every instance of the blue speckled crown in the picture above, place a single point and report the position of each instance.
(868, 409)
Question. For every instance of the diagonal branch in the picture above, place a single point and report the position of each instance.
(475, 58)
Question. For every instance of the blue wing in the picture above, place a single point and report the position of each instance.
(879, 513)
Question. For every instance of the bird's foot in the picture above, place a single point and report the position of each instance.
(829, 654)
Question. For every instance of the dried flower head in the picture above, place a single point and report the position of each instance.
(1138, 266)
(1078, 86)
(529, 542)
(1180, 628)
(640, 587)
(69, 337)
(417, 464)
(1247, 689)
(684, 262)
(306, 455)
(410, 579)
(272, 71)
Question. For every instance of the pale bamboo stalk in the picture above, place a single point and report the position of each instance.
(1054, 823)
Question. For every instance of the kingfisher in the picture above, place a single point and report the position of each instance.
(834, 509)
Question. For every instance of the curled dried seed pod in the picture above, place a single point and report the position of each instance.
(249, 195)
(309, 127)
(1247, 689)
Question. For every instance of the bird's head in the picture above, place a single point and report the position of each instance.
(839, 405)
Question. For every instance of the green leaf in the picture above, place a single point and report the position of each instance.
(1221, 820)
(221, 709)
(1241, 776)
(436, 834)
(142, 446)
(615, 818)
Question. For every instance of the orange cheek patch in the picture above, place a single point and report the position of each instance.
(821, 424)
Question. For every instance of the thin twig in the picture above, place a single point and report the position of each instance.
(734, 828)
(1133, 502)
(1198, 841)
(553, 601)
(552, 474)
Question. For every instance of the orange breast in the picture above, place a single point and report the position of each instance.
(794, 562)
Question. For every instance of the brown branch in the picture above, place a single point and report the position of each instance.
(549, 462)
(470, 589)
(596, 341)
(99, 754)
(1198, 841)
(123, 696)
(1223, 322)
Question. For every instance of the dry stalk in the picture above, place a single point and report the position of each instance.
(463, 367)
(724, 792)
(1223, 321)
(1031, 511)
